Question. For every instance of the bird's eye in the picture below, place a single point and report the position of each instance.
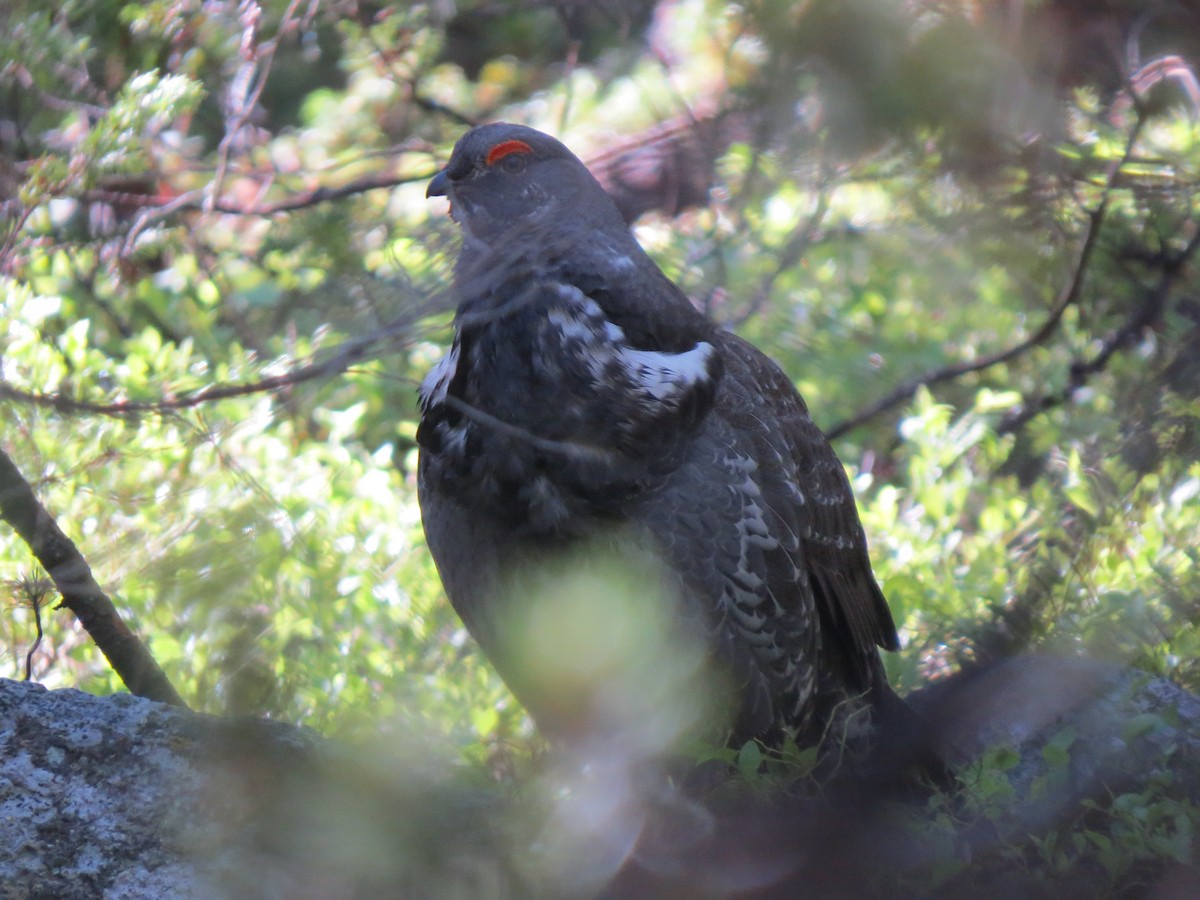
(514, 163)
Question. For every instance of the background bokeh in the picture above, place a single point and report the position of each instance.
(967, 229)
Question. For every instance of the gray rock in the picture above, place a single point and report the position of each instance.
(119, 797)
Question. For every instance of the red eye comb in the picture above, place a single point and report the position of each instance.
(504, 148)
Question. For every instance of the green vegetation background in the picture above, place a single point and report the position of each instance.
(905, 188)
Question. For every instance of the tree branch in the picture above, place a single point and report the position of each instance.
(247, 86)
(1146, 313)
(1068, 296)
(154, 208)
(348, 353)
(129, 657)
(319, 195)
(797, 246)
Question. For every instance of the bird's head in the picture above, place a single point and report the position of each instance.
(501, 176)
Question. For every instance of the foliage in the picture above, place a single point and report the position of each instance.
(976, 258)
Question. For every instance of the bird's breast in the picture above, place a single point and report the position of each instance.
(544, 408)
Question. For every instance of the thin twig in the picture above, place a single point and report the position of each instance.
(797, 245)
(255, 69)
(320, 195)
(1082, 370)
(348, 353)
(547, 445)
(36, 605)
(155, 209)
(1067, 297)
(434, 106)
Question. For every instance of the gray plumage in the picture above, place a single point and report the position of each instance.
(585, 396)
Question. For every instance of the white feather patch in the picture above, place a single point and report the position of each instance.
(665, 375)
(435, 385)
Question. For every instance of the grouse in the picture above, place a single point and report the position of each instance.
(585, 398)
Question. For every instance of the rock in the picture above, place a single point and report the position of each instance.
(120, 797)
(1081, 779)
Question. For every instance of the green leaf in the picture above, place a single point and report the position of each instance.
(749, 759)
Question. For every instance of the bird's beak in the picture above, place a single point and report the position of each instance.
(438, 185)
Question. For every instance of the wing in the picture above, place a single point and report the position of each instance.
(739, 564)
(808, 490)
(761, 524)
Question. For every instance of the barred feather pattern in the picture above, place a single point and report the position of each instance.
(584, 391)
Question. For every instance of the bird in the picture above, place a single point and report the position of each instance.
(585, 398)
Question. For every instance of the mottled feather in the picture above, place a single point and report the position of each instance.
(584, 392)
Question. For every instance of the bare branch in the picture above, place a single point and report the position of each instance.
(798, 243)
(1144, 315)
(72, 576)
(155, 209)
(256, 66)
(321, 195)
(434, 106)
(1067, 297)
(347, 354)
(567, 449)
